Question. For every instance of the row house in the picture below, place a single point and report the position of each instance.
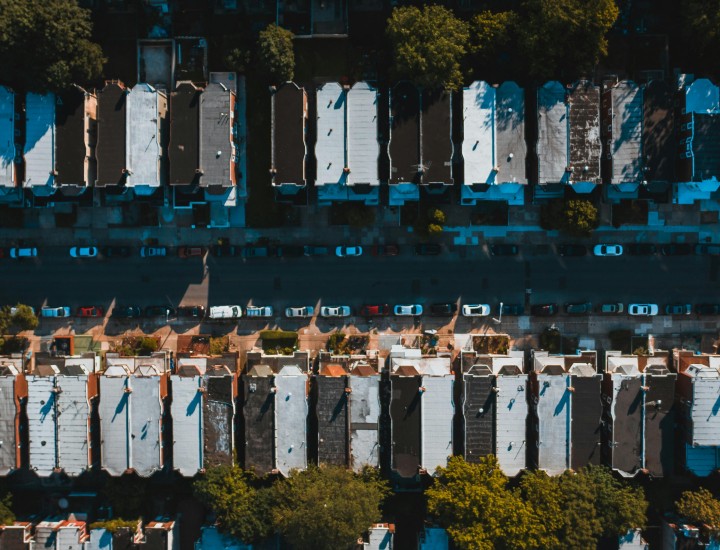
(8, 176)
(493, 148)
(40, 144)
(346, 397)
(288, 134)
(566, 411)
(421, 411)
(275, 408)
(76, 135)
(639, 417)
(347, 147)
(697, 394)
(13, 390)
(495, 409)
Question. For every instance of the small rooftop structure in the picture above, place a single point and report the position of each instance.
(112, 133)
(159, 360)
(76, 130)
(40, 161)
(47, 364)
(61, 533)
(17, 536)
(289, 116)
(218, 155)
(145, 135)
(184, 149)
(8, 177)
(162, 534)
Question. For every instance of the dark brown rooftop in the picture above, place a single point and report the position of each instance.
(436, 137)
(288, 135)
(184, 147)
(70, 137)
(585, 146)
(110, 150)
(659, 143)
(405, 134)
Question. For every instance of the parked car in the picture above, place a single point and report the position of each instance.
(385, 250)
(404, 310)
(127, 312)
(62, 311)
(676, 249)
(504, 250)
(428, 249)
(316, 251)
(443, 310)
(159, 311)
(543, 310)
(581, 308)
(375, 310)
(301, 312)
(571, 250)
(223, 250)
(83, 252)
(191, 251)
(643, 309)
(225, 312)
(335, 311)
(255, 252)
(512, 309)
(23, 252)
(476, 310)
(642, 249)
(678, 309)
(608, 250)
(90, 311)
(115, 251)
(707, 249)
(612, 308)
(259, 311)
(348, 251)
(707, 309)
(195, 312)
(290, 251)
(153, 251)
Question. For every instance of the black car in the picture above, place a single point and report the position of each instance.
(707, 249)
(707, 309)
(428, 249)
(115, 251)
(159, 311)
(571, 250)
(443, 310)
(127, 312)
(641, 249)
(255, 252)
(289, 251)
(512, 309)
(223, 250)
(196, 312)
(504, 250)
(544, 310)
(583, 308)
(676, 249)
(316, 251)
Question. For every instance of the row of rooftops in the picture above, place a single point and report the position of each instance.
(123, 136)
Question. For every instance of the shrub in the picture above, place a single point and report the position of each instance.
(219, 345)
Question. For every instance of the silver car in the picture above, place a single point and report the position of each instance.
(643, 309)
(302, 312)
(335, 311)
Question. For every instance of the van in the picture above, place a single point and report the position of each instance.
(225, 312)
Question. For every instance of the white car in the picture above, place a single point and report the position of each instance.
(259, 311)
(608, 250)
(23, 252)
(225, 312)
(302, 312)
(83, 252)
(348, 251)
(408, 310)
(643, 309)
(63, 311)
(152, 251)
(476, 310)
(335, 311)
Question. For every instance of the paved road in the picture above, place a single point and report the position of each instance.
(55, 279)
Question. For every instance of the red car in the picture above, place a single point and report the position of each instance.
(385, 250)
(375, 310)
(90, 311)
(191, 251)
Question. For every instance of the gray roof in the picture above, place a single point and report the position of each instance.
(219, 419)
(363, 147)
(332, 135)
(217, 120)
(73, 424)
(39, 139)
(704, 417)
(553, 133)
(277, 362)
(41, 413)
(553, 412)
(144, 135)
(331, 409)
(585, 144)
(437, 412)
(9, 412)
(511, 149)
(291, 410)
(512, 411)
(187, 421)
(7, 137)
(364, 417)
(627, 132)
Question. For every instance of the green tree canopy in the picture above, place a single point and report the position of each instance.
(428, 45)
(276, 54)
(579, 217)
(564, 37)
(23, 318)
(45, 45)
(242, 510)
(490, 33)
(327, 507)
(7, 517)
(700, 507)
(700, 31)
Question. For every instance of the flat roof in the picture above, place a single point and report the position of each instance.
(219, 419)
(143, 128)
(259, 423)
(291, 410)
(702, 96)
(585, 144)
(184, 149)
(437, 412)
(8, 420)
(73, 424)
(553, 412)
(41, 414)
(404, 147)
(703, 409)
(627, 131)
(289, 120)
(217, 151)
(586, 420)
(72, 137)
(478, 147)
(110, 150)
(706, 146)
(659, 426)
(659, 142)
(364, 405)
(7, 137)
(511, 418)
(553, 133)
(363, 147)
(405, 424)
(511, 149)
(436, 137)
(187, 421)
(627, 414)
(479, 414)
(39, 139)
(331, 144)
(331, 409)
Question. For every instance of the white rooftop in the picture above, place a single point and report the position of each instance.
(702, 96)
(364, 410)
(143, 129)
(362, 134)
(478, 147)
(331, 134)
(553, 410)
(437, 413)
(187, 419)
(7, 137)
(291, 410)
(627, 124)
(553, 133)
(39, 140)
(511, 418)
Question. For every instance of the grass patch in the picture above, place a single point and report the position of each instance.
(282, 342)
(137, 346)
(496, 344)
(340, 344)
(219, 345)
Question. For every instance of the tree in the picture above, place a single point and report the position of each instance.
(579, 217)
(241, 509)
(700, 31)
(276, 54)
(45, 45)
(7, 517)
(428, 45)
(23, 318)
(327, 507)
(565, 37)
(490, 32)
(219, 345)
(700, 508)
